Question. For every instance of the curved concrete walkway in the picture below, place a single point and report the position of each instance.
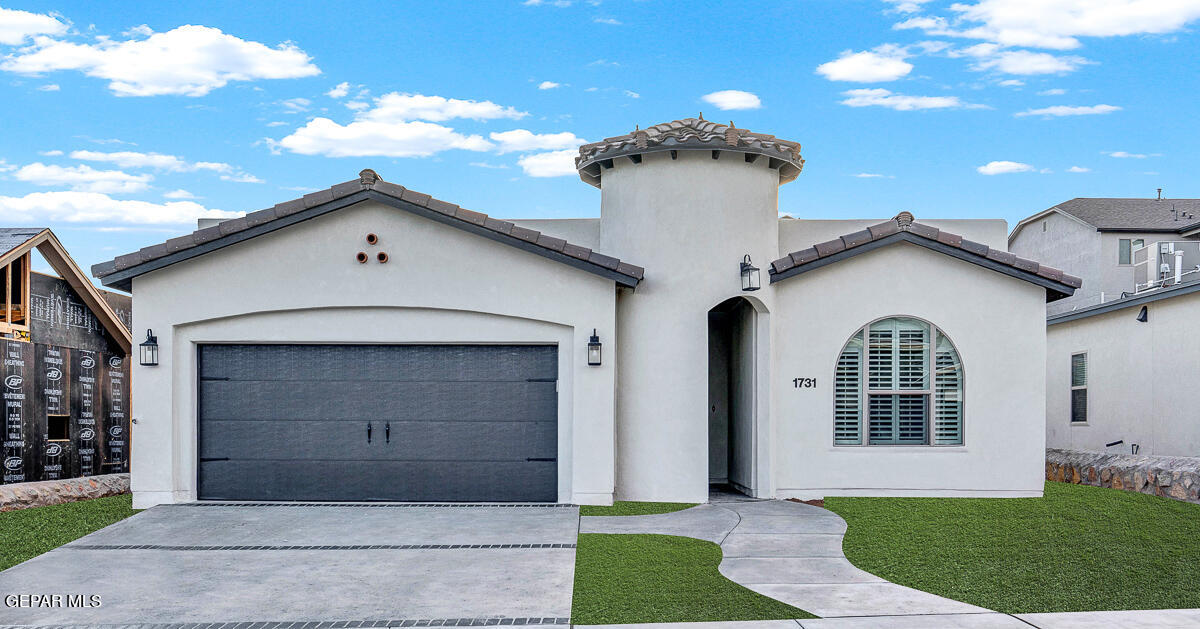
(789, 551)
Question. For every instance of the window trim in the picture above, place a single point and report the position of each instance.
(864, 390)
(1083, 387)
(1128, 242)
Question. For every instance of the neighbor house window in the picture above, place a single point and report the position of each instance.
(1078, 388)
(902, 379)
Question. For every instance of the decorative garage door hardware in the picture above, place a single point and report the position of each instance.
(327, 624)
(385, 505)
(338, 547)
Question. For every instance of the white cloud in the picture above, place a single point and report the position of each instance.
(339, 91)
(394, 107)
(632, 94)
(1003, 167)
(523, 140)
(241, 177)
(874, 176)
(1057, 24)
(54, 153)
(190, 60)
(548, 85)
(1125, 155)
(1064, 110)
(902, 102)
(179, 194)
(1011, 83)
(1079, 169)
(93, 207)
(552, 164)
(358, 105)
(49, 87)
(398, 125)
(17, 26)
(82, 178)
(295, 105)
(607, 20)
(906, 6)
(1021, 62)
(884, 63)
(1058, 91)
(732, 100)
(157, 161)
(322, 136)
(488, 165)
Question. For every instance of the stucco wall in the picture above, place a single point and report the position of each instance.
(688, 221)
(584, 232)
(1139, 380)
(797, 234)
(1068, 245)
(997, 324)
(302, 284)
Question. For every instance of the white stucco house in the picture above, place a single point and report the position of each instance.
(368, 342)
(1120, 352)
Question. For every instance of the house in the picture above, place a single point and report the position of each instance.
(1117, 364)
(1104, 241)
(66, 373)
(369, 342)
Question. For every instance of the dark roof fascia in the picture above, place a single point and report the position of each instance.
(1120, 304)
(1148, 230)
(1055, 290)
(123, 279)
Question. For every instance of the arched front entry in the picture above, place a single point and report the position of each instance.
(738, 396)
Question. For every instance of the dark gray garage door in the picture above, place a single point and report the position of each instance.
(378, 422)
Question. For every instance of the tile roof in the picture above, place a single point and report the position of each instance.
(904, 227)
(689, 133)
(1134, 214)
(368, 186)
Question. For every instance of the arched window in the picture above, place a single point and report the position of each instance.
(882, 386)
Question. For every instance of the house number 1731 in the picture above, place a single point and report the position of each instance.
(804, 383)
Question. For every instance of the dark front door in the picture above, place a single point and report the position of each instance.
(378, 422)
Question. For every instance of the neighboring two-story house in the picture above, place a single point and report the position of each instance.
(1120, 351)
(1098, 239)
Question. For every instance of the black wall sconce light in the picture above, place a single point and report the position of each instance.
(1143, 314)
(750, 277)
(148, 350)
(593, 349)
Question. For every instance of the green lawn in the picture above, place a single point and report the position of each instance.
(1080, 548)
(30, 532)
(622, 507)
(661, 578)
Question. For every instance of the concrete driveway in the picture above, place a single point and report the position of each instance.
(337, 565)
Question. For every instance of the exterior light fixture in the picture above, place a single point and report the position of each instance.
(1143, 315)
(149, 350)
(750, 279)
(594, 349)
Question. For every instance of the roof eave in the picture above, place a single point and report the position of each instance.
(1054, 290)
(123, 279)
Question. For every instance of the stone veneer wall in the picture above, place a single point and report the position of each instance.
(1175, 477)
(52, 492)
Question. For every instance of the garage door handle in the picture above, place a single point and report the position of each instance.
(387, 432)
(368, 432)
(217, 458)
(553, 459)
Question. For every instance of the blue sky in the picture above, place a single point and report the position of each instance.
(123, 122)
